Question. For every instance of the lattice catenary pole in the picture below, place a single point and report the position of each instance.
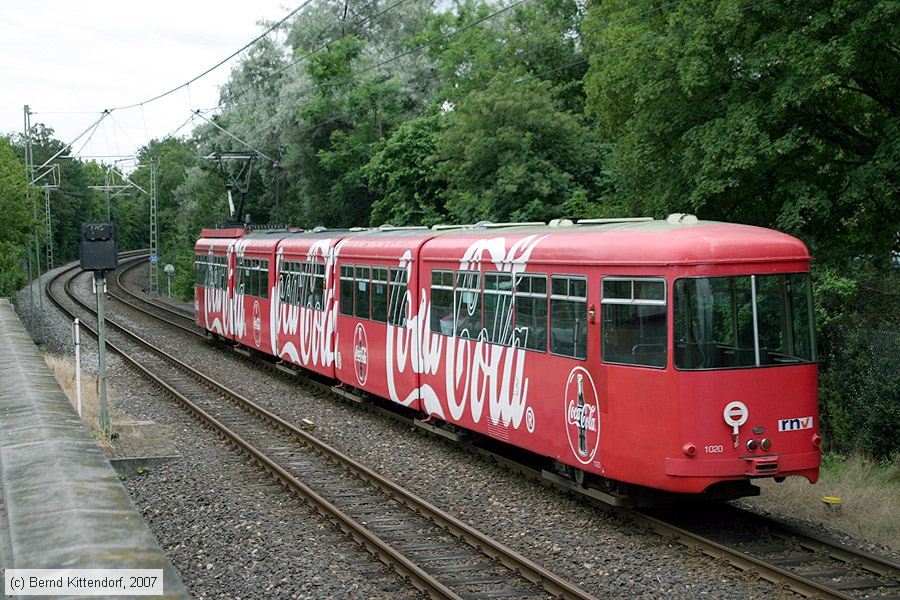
(49, 227)
(154, 241)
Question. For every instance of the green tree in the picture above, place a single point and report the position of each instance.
(17, 224)
(540, 39)
(510, 153)
(200, 202)
(70, 203)
(403, 175)
(782, 114)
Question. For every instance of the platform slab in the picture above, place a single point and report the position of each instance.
(62, 504)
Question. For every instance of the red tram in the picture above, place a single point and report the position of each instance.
(676, 355)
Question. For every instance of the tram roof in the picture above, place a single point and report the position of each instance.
(673, 241)
(659, 242)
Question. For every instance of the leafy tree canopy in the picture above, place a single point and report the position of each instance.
(782, 114)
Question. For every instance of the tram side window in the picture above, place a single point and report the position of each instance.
(785, 318)
(313, 285)
(498, 315)
(251, 277)
(397, 307)
(467, 304)
(198, 269)
(346, 290)
(442, 302)
(363, 275)
(283, 281)
(568, 316)
(634, 321)
(294, 280)
(216, 273)
(379, 294)
(264, 278)
(531, 312)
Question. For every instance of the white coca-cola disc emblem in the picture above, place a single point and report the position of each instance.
(257, 324)
(360, 354)
(582, 415)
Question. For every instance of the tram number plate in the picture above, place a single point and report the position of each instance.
(714, 449)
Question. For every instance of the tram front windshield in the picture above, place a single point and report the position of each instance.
(743, 321)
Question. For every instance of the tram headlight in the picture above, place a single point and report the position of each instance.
(766, 444)
(752, 445)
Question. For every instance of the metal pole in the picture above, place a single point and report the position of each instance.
(49, 228)
(154, 232)
(77, 367)
(31, 298)
(29, 157)
(170, 286)
(100, 279)
(40, 292)
(29, 166)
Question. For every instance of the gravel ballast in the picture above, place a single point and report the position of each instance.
(231, 531)
(228, 528)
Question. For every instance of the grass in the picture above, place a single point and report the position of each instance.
(64, 371)
(870, 491)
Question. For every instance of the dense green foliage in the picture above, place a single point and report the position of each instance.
(782, 114)
(17, 221)
(858, 309)
(778, 113)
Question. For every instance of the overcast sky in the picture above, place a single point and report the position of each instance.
(82, 57)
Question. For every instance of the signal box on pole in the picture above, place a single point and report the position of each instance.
(99, 248)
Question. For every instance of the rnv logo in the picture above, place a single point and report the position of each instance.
(795, 424)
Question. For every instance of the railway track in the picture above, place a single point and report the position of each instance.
(803, 562)
(167, 314)
(439, 554)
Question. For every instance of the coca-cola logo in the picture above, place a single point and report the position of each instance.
(360, 354)
(582, 415)
(257, 324)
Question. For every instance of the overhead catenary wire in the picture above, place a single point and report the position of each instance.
(398, 56)
(116, 124)
(87, 141)
(416, 49)
(218, 64)
(635, 43)
(141, 104)
(237, 139)
(320, 47)
(65, 148)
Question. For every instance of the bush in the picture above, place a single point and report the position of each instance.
(859, 325)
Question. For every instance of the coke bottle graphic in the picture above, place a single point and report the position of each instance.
(582, 424)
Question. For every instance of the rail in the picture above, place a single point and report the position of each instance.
(401, 563)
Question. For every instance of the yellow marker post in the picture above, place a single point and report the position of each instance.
(832, 504)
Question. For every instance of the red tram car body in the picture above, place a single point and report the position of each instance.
(673, 355)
